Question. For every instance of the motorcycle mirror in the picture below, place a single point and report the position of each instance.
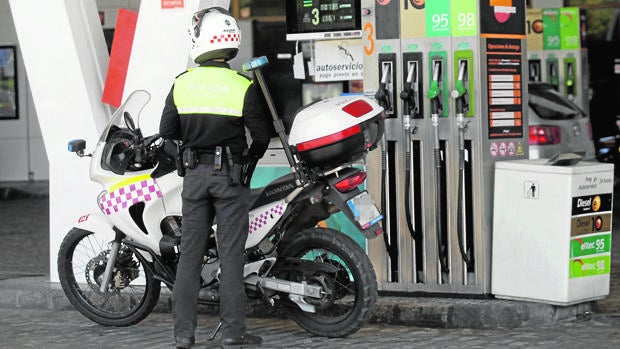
(76, 145)
(129, 121)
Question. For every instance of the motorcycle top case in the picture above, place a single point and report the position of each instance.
(337, 130)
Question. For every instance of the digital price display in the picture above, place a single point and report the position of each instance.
(323, 19)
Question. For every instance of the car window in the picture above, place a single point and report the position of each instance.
(549, 104)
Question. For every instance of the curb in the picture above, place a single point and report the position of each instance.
(38, 292)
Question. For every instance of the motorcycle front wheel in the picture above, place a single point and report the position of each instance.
(350, 294)
(131, 294)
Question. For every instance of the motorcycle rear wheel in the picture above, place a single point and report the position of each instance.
(131, 295)
(350, 303)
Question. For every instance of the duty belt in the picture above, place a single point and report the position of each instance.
(206, 158)
(210, 157)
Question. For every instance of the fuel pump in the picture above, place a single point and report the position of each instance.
(435, 95)
(411, 98)
(385, 98)
(413, 108)
(461, 45)
(461, 99)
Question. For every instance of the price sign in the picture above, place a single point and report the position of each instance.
(551, 33)
(327, 14)
(569, 28)
(323, 19)
(438, 18)
(464, 18)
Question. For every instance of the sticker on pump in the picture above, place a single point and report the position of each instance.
(494, 149)
(531, 190)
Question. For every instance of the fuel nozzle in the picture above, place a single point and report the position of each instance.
(459, 94)
(383, 96)
(434, 90)
(553, 76)
(534, 68)
(570, 81)
(411, 92)
(410, 96)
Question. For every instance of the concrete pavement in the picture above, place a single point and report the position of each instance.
(56, 329)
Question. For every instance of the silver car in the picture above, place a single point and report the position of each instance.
(557, 125)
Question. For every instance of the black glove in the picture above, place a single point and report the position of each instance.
(249, 165)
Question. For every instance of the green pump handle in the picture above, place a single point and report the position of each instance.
(433, 90)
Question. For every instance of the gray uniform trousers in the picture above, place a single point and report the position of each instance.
(207, 194)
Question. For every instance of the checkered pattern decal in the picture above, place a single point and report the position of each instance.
(123, 197)
(266, 218)
(225, 38)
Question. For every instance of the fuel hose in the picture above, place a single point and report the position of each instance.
(390, 248)
(459, 94)
(434, 93)
(461, 189)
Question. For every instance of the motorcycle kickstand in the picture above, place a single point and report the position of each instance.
(217, 329)
(265, 298)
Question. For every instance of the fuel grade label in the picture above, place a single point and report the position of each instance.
(598, 223)
(591, 266)
(590, 245)
(591, 204)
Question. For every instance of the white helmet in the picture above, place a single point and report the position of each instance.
(215, 34)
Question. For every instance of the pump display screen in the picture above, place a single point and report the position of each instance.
(323, 19)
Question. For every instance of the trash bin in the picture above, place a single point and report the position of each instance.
(552, 231)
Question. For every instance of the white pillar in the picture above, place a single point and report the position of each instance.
(66, 59)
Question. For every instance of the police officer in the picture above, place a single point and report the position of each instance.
(208, 109)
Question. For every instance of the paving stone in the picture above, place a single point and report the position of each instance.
(42, 328)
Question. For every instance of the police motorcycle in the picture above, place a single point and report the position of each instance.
(112, 263)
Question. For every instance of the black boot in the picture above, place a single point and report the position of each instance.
(242, 341)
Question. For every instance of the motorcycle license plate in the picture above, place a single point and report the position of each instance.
(364, 210)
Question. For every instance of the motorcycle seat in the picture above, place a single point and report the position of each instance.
(276, 190)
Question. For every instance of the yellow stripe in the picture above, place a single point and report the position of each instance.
(210, 110)
(129, 181)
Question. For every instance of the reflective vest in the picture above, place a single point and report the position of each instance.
(210, 90)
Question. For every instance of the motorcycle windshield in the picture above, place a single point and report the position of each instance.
(128, 114)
